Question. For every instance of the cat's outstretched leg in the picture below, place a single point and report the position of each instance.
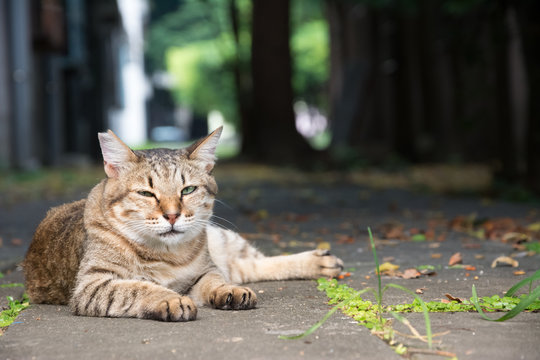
(305, 265)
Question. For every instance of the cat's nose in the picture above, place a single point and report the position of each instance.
(171, 217)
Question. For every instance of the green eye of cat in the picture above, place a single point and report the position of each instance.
(145, 193)
(188, 190)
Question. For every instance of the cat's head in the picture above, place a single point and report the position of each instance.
(160, 196)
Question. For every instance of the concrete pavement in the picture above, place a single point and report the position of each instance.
(301, 215)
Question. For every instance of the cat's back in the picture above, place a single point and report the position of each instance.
(53, 258)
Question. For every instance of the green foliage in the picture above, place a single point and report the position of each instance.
(535, 246)
(195, 42)
(530, 301)
(310, 56)
(202, 80)
(11, 285)
(14, 308)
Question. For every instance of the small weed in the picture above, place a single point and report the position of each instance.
(11, 285)
(370, 315)
(535, 247)
(365, 312)
(14, 308)
(529, 301)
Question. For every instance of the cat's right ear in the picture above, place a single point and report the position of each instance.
(116, 154)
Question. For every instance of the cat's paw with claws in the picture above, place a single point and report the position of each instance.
(173, 308)
(230, 297)
(326, 264)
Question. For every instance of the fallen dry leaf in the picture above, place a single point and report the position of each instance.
(391, 230)
(434, 245)
(389, 269)
(436, 256)
(534, 226)
(453, 298)
(470, 268)
(420, 290)
(455, 259)
(515, 237)
(504, 260)
(479, 256)
(324, 245)
(428, 272)
(411, 274)
(519, 272)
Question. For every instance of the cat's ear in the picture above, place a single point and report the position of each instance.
(116, 154)
(204, 150)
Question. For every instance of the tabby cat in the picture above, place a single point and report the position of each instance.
(142, 244)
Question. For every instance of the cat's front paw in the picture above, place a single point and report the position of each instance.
(230, 297)
(173, 308)
(327, 264)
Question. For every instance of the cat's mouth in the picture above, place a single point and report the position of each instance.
(171, 232)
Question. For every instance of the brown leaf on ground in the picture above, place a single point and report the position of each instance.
(324, 245)
(479, 256)
(504, 260)
(453, 298)
(436, 256)
(434, 245)
(411, 274)
(420, 290)
(392, 231)
(455, 259)
(388, 268)
(344, 239)
(519, 272)
(428, 272)
(515, 237)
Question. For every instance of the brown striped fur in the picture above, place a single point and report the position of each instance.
(142, 244)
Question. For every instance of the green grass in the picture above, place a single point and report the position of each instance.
(8, 316)
(370, 314)
(365, 312)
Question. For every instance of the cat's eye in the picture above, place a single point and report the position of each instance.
(188, 190)
(145, 193)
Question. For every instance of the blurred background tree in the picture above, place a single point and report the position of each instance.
(392, 80)
(319, 83)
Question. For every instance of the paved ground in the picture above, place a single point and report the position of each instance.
(302, 215)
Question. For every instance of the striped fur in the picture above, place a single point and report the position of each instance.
(142, 244)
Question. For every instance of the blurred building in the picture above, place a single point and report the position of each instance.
(68, 69)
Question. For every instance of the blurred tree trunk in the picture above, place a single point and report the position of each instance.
(505, 147)
(528, 13)
(242, 84)
(272, 135)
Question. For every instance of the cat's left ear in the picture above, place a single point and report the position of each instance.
(116, 154)
(204, 150)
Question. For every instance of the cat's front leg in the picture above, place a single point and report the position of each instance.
(109, 297)
(212, 290)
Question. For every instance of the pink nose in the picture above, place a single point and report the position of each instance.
(171, 217)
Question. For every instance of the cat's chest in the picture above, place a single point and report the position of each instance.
(175, 275)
